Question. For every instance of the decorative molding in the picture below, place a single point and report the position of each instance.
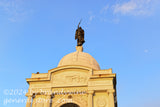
(75, 90)
(101, 101)
(70, 78)
(80, 100)
(111, 91)
(76, 79)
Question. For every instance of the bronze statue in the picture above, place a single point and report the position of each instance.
(79, 35)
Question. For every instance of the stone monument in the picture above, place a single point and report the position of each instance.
(77, 81)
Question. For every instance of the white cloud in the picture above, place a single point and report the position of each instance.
(91, 18)
(146, 50)
(14, 10)
(104, 9)
(135, 7)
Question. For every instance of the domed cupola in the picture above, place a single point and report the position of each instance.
(79, 58)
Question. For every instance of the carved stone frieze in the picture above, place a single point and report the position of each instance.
(101, 101)
(70, 78)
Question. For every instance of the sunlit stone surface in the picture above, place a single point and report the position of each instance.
(78, 81)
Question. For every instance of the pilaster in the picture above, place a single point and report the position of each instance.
(29, 101)
(90, 98)
(111, 98)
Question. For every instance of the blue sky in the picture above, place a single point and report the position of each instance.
(120, 34)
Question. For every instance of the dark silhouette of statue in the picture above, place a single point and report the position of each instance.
(79, 35)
